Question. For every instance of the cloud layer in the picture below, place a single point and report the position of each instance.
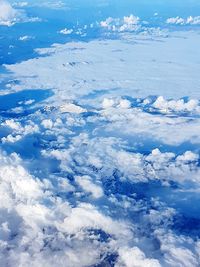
(104, 171)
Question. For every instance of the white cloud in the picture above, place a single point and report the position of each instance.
(125, 71)
(188, 156)
(120, 103)
(8, 15)
(25, 38)
(66, 31)
(43, 229)
(176, 20)
(108, 103)
(18, 130)
(124, 103)
(175, 249)
(129, 23)
(134, 257)
(16, 183)
(51, 4)
(72, 108)
(168, 130)
(48, 124)
(107, 155)
(51, 230)
(184, 21)
(20, 4)
(15, 125)
(86, 183)
(191, 105)
(127, 26)
(11, 139)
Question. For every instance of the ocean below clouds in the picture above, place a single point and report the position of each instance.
(99, 133)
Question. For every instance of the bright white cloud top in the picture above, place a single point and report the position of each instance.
(184, 21)
(8, 15)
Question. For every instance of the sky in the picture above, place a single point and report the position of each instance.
(99, 133)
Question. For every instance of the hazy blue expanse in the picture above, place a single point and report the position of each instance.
(99, 133)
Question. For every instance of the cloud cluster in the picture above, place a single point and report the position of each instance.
(66, 31)
(184, 21)
(191, 105)
(129, 23)
(59, 219)
(39, 227)
(10, 15)
(106, 156)
(16, 131)
(146, 122)
(133, 257)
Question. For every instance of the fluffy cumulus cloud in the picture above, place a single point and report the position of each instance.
(133, 257)
(184, 21)
(10, 15)
(18, 131)
(133, 121)
(66, 31)
(85, 182)
(191, 105)
(129, 23)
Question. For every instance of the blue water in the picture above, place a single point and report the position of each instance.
(18, 100)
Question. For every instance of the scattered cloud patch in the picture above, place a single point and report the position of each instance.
(72, 108)
(20, 4)
(25, 38)
(9, 15)
(51, 4)
(66, 31)
(184, 21)
(134, 121)
(86, 183)
(169, 106)
(129, 23)
(134, 257)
